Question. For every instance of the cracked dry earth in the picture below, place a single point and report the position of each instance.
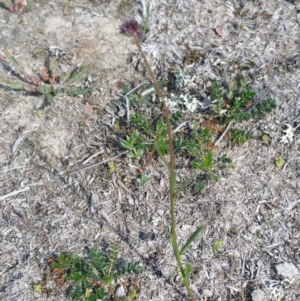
(58, 196)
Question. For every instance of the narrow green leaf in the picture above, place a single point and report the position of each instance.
(45, 89)
(197, 165)
(76, 76)
(188, 271)
(126, 144)
(191, 239)
(65, 76)
(145, 27)
(14, 62)
(80, 91)
(168, 232)
(53, 66)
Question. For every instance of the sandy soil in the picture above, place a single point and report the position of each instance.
(56, 195)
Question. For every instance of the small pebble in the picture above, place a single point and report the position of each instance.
(185, 227)
(254, 229)
(287, 270)
(19, 234)
(207, 293)
(131, 202)
(120, 292)
(143, 235)
(160, 212)
(258, 295)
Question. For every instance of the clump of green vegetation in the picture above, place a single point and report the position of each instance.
(280, 162)
(50, 82)
(196, 142)
(143, 180)
(92, 278)
(236, 103)
(152, 137)
(217, 245)
(238, 136)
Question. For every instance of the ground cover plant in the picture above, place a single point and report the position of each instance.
(50, 82)
(16, 6)
(92, 278)
(230, 106)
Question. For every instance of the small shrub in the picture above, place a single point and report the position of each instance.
(91, 278)
(236, 103)
(238, 136)
(50, 82)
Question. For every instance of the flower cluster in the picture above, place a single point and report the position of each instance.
(132, 28)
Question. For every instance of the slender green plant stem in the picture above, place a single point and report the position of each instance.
(172, 173)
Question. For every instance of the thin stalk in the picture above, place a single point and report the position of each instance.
(172, 173)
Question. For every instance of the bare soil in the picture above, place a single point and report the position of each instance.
(57, 196)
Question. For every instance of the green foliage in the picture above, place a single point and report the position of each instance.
(142, 123)
(217, 245)
(143, 179)
(280, 162)
(238, 136)
(149, 136)
(111, 166)
(266, 106)
(217, 93)
(236, 102)
(68, 262)
(206, 164)
(199, 186)
(191, 239)
(50, 82)
(175, 117)
(195, 144)
(136, 143)
(91, 278)
(224, 159)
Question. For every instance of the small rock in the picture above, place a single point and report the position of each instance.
(258, 295)
(206, 103)
(254, 229)
(19, 234)
(143, 235)
(120, 292)
(234, 253)
(160, 212)
(185, 227)
(131, 202)
(286, 270)
(207, 293)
